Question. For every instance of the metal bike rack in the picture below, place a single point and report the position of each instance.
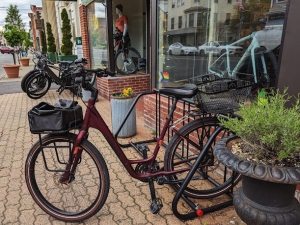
(196, 211)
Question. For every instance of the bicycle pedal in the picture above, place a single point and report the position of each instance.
(156, 205)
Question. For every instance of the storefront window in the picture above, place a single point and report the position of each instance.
(225, 38)
(97, 20)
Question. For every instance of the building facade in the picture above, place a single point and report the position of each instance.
(165, 32)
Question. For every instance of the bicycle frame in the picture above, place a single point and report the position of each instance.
(249, 51)
(93, 119)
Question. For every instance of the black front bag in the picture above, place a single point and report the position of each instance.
(63, 116)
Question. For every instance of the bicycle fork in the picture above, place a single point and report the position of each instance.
(69, 176)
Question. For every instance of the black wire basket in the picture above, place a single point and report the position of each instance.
(221, 95)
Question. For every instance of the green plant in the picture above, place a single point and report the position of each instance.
(44, 43)
(270, 129)
(13, 18)
(50, 39)
(13, 36)
(67, 44)
(27, 41)
(95, 38)
(127, 92)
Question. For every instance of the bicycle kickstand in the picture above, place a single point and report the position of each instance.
(156, 204)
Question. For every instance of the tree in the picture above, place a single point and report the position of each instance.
(13, 18)
(249, 20)
(50, 39)
(27, 41)
(14, 37)
(44, 43)
(67, 44)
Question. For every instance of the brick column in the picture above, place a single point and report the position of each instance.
(84, 34)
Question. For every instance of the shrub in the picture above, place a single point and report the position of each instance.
(50, 39)
(67, 44)
(271, 128)
(44, 43)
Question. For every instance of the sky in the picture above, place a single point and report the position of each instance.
(24, 9)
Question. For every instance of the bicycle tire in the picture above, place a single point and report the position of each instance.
(77, 200)
(272, 69)
(25, 78)
(177, 150)
(38, 86)
(130, 64)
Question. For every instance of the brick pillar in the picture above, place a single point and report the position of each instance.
(84, 34)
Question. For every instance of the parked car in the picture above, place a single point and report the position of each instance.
(182, 49)
(218, 47)
(6, 49)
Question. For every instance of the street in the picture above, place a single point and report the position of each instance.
(184, 67)
(8, 86)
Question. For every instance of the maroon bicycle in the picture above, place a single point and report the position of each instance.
(69, 179)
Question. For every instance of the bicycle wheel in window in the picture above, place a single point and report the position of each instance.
(269, 79)
(80, 198)
(126, 61)
(211, 178)
(38, 86)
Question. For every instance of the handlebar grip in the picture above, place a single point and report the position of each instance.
(94, 70)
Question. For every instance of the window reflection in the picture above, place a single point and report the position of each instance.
(227, 38)
(97, 34)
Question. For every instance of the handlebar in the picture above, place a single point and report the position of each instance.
(80, 75)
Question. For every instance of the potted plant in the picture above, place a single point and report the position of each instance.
(266, 151)
(51, 51)
(67, 44)
(13, 37)
(120, 104)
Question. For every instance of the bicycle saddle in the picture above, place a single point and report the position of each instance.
(185, 91)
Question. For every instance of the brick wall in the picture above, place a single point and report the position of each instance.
(164, 104)
(84, 34)
(109, 85)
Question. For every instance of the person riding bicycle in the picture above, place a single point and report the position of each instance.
(122, 26)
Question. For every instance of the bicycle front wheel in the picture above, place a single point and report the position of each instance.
(31, 73)
(127, 61)
(37, 86)
(83, 195)
(211, 179)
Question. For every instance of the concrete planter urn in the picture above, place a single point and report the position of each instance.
(24, 61)
(12, 71)
(267, 192)
(119, 108)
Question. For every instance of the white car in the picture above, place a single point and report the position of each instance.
(182, 49)
(218, 47)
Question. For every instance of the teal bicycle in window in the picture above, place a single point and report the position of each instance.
(256, 60)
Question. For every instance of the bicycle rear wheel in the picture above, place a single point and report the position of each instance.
(76, 200)
(211, 178)
(127, 61)
(38, 86)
